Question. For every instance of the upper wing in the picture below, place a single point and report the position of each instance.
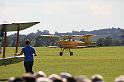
(51, 36)
(14, 26)
(83, 36)
(89, 35)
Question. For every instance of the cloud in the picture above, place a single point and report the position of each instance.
(64, 14)
(101, 10)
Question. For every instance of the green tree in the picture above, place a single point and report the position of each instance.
(108, 41)
(100, 42)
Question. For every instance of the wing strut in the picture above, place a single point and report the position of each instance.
(4, 42)
(17, 39)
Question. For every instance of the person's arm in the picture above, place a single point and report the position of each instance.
(35, 54)
(19, 53)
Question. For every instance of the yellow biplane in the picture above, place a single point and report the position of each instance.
(67, 42)
(4, 28)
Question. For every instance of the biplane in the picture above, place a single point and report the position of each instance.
(67, 42)
(4, 28)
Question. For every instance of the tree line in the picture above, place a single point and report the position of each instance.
(110, 37)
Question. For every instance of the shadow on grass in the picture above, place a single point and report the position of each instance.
(1, 80)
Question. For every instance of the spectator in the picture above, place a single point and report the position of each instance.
(39, 74)
(65, 75)
(97, 78)
(68, 77)
(16, 79)
(28, 77)
(119, 78)
(55, 78)
(43, 79)
(82, 79)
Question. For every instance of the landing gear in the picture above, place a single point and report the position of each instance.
(71, 53)
(61, 53)
(67, 49)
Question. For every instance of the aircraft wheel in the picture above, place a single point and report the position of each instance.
(61, 53)
(71, 53)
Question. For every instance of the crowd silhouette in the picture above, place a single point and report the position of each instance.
(40, 76)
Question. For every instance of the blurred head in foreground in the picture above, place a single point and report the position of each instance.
(119, 78)
(67, 77)
(29, 77)
(82, 79)
(39, 74)
(16, 79)
(97, 78)
(55, 78)
(43, 79)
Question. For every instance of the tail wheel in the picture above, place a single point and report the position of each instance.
(61, 53)
(71, 53)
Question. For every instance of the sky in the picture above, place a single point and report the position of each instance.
(64, 15)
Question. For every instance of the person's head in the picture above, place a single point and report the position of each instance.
(55, 78)
(27, 42)
(82, 79)
(68, 77)
(16, 79)
(29, 77)
(39, 74)
(65, 75)
(71, 79)
(43, 79)
(97, 78)
(119, 78)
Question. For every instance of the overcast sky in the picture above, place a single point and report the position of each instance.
(64, 15)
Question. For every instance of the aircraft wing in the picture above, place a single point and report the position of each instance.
(82, 36)
(89, 35)
(14, 26)
(11, 60)
(51, 36)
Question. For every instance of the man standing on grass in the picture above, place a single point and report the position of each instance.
(28, 56)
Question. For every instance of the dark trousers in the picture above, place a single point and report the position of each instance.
(28, 66)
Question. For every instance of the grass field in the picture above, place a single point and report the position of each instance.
(107, 61)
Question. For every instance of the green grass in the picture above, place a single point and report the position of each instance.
(107, 61)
